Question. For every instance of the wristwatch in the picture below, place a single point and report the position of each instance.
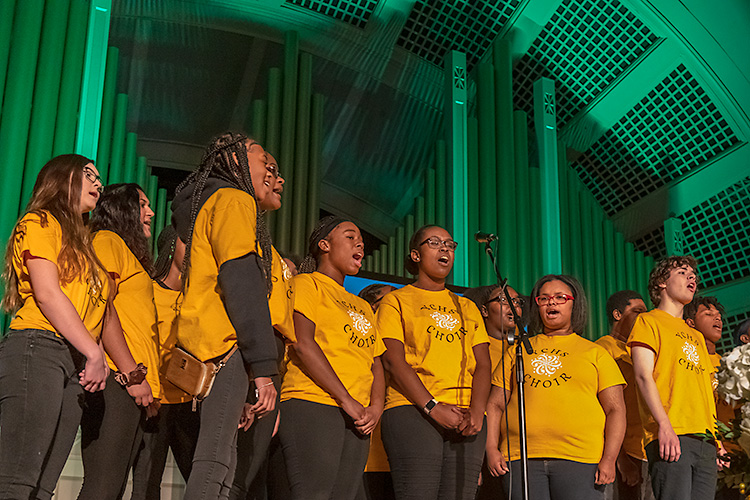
(431, 404)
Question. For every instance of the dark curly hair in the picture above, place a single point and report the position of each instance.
(618, 301)
(660, 274)
(119, 211)
(580, 304)
(691, 309)
(226, 159)
(414, 242)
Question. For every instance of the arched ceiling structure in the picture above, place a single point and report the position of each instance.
(653, 97)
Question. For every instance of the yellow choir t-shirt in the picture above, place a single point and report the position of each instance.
(280, 301)
(633, 442)
(563, 378)
(724, 411)
(166, 325)
(40, 236)
(439, 330)
(134, 303)
(344, 330)
(682, 373)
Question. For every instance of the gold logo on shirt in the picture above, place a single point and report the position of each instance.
(444, 321)
(546, 364)
(285, 271)
(360, 323)
(691, 353)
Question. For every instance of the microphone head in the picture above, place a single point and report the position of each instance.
(482, 237)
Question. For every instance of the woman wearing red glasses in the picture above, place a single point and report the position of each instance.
(574, 406)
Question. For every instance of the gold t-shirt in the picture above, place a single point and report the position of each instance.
(439, 330)
(563, 378)
(134, 303)
(682, 373)
(724, 411)
(224, 230)
(280, 301)
(166, 324)
(39, 237)
(633, 442)
(344, 330)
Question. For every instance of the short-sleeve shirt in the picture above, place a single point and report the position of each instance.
(166, 324)
(134, 303)
(224, 230)
(633, 442)
(344, 330)
(280, 301)
(724, 411)
(40, 237)
(563, 378)
(682, 373)
(439, 330)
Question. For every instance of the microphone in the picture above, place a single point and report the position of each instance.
(484, 237)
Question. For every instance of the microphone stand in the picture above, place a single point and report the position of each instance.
(521, 343)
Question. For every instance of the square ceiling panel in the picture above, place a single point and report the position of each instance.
(583, 47)
(354, 12)
(435, 27)
(652, 244)
(671, 131)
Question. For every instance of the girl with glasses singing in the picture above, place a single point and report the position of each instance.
(439, 364)
(571, 454)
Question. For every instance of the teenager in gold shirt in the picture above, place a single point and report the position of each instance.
(333, 389)
(673, 372)
(113, 418)
(439, 365)
(57, 292)
(226, 284)
(575, 414)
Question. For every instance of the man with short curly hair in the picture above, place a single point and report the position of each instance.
(673, 372)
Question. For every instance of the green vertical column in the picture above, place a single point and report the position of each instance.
(562, 176)
(632, 272)
(409, 228)
(535, 233)
(419, 214)
(160, 211)
(116, 170)
(392, 255)
(7, 7)
(457, 155)
(522, 209)
(152, 188)
(399, 251)
(92, 85)
(108, 112)
(301, 155)
(674, 236)
(622, 273)
(316, 162)
(369, 263)
(489, 195)
(545, 123)
(574, 225)
(642, 272)
(610, 274)
(142, 173)
(647, 271)
(430, 189)
(46, 93)
(129, 163)
(258, 121)
(597, 237)
(589, 266)
(384, 258)
(474, 205)
(288, 125)
(376, 261)
(16, 117)
(441, 189)
(505, 154)
(274, 111)
(70, 83)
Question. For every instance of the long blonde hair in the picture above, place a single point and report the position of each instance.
(57, 192)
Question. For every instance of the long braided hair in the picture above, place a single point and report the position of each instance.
(226, 159)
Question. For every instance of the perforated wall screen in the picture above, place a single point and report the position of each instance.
(354, 12)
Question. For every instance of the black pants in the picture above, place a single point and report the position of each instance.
(175, 427)
(693, 476)
(325, 455)
(111, 430)
(427, 461)
(555, 479)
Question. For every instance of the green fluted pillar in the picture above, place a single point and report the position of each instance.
(488, 182)
(522, 210)
(70, 83)
(384, 258)
(116, 171)
(152, 188)
(46, 93)
(301, 155)
(409, 228)
(274, 111)
(562, 176)
(610, 274)
(142, 173)
(619, 257)
(600, 268)
(474, 205)
(642, 272)
(7, 7)
(392, 255)
(376, 261)
(589, 266)
(649, 266)
(441, 189)
(258, 121)
(369, 263)
(316, 162)
(16, 117)
(419, 214)
(108, 111)
(430, 214)
(632, 272)
(575, 231)
(160, 213)
(535, 232)
(130, 161)
(288, 125)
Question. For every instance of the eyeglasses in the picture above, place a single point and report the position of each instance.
(436, 243)
(560, 298)
(517, 301)
(93, 178)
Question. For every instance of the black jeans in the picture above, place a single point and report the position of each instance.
(40, 409)
(111, 430)
(427, 461)
(216, 451)
(692, 477)
(175, 427)
(555, 479)
(325, 455)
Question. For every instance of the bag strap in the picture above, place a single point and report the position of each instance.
(225, 359)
